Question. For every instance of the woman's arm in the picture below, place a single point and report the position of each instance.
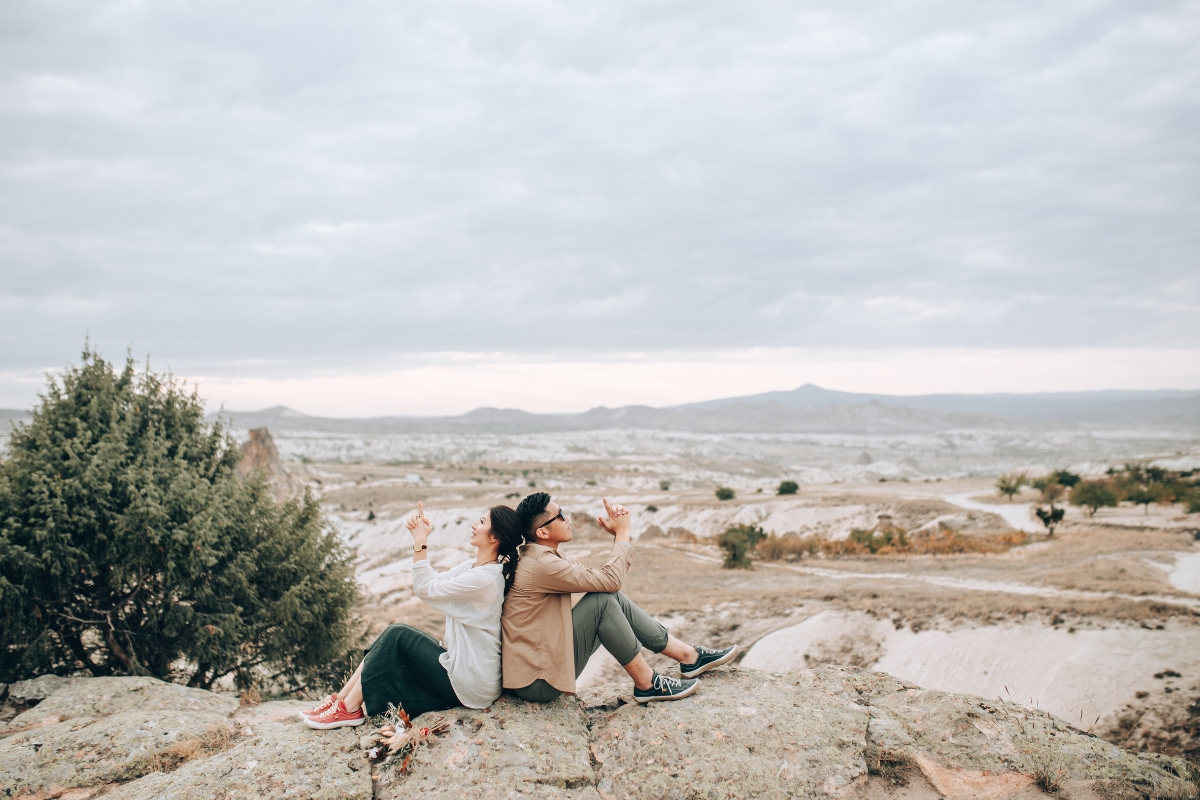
(420, 528)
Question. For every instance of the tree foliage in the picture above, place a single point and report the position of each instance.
(128, 545)
(725, 493)
(1094, 495)
(738, 542)
(1009, 485)
(1050, 517)
(787, 487)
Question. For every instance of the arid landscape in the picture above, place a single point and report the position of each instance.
(1098, 624)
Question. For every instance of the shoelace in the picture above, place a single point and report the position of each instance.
(665, 683)
(705, 651)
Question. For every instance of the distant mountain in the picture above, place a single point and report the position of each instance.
(1110, 407)
(808, 409)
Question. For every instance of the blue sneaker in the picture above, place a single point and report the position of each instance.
(709, 658)
(663, 687)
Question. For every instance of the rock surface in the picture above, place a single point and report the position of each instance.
(102, 697)
(825, 733)
(89, 751)
(31, 691)
(275, 760)
(513, 749)
(830, 732)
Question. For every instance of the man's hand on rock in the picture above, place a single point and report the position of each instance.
(618, 522)
(419, 526)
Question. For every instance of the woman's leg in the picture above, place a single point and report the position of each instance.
(351, 693)
(403, 669)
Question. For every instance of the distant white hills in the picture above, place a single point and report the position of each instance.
(808, 408)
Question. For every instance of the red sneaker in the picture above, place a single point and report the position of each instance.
(326, 704)
(336, 717)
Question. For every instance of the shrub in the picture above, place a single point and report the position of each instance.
(738, 542)
(651, 509)
(1093, 495)
(664, 486)
(1050, 517)
(1064, 478)
(789, 546)
(787, 487)
(725, 493)
(128, 545)
(943, 541)
(1009, 485)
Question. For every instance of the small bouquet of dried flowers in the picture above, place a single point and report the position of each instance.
(398, 739)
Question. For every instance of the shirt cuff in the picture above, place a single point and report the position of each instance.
(627, 544)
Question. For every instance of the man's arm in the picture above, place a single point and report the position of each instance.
(561, 575)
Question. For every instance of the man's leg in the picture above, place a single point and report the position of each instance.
(654, 636)
(537, 692)
(597, 619)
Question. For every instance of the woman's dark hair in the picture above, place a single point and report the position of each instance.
(509, 531)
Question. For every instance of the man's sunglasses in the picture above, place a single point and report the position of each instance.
(550, 521)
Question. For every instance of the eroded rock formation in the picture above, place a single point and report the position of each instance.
(824, 733)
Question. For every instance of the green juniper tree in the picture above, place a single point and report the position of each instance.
(129, 545)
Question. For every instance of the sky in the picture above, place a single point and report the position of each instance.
(421, 208)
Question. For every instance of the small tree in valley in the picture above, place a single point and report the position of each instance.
(787, 487)
(1050, 517)
(1009, 485)
(1093, 495)
(738, 542)
(725, 493)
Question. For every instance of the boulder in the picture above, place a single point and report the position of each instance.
(102, 697)
(829, 732)
(513, 749)
(743, 734)
(87, 751)
(272, 760)
(39, 688)
(823, 733)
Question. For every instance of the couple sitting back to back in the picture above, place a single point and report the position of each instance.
(517, 592)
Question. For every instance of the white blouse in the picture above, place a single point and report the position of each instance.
(472, 599)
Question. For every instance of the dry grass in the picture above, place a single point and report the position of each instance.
(894, 542)
(207, 742)
(894, 768)
(1124, 575)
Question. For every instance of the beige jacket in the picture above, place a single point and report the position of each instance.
(538, 638)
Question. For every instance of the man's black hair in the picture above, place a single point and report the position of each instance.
(530, 509)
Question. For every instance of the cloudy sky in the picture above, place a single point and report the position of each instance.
(424, 207)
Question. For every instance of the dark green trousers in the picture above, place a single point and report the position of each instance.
(608, 620)
(402, 667)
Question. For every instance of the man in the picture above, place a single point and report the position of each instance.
(546, 643)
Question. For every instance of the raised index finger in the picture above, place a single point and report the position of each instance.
(607, 507)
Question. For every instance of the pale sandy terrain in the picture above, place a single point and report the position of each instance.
(1079, 624)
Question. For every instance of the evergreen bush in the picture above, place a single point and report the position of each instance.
(738, 542)
(129, 546)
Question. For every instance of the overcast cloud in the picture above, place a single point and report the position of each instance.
(281, 187)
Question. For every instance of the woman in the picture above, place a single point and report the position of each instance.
(408, 667)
